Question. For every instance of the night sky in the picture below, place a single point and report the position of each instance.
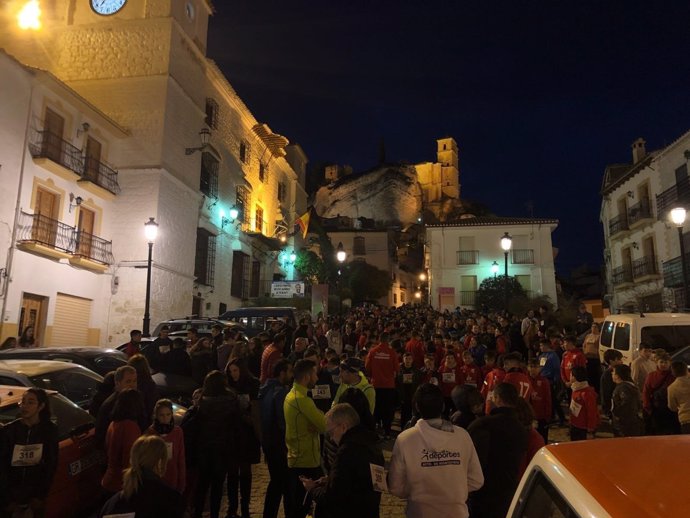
(540, 96)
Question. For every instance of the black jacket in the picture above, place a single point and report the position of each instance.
(177, 361)
(104, 418)
(24, 483)
(248, 447)
(213, 428)
(501, 443)
(349, 491)
(154, 499)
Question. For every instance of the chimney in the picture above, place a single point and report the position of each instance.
(638, 150)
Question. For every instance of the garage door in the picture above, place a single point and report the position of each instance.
(71, 321)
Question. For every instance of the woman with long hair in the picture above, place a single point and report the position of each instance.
(248, 447)
(29, 455)
(9, 343)
(145, 383)
(122, 432)
(164, 427)
(144, 493)
(28, 338)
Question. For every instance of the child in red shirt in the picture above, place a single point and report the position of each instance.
(516, 376)
(584, 413)
(450, 376)
(572, 357)
(429, 372)
(471, 373)
(540, 398)
(490, 381)
(489, 363)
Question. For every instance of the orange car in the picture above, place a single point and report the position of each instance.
(76, 486)
(640, 477)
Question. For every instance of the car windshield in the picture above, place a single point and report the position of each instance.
(65, 414)
(77, 385)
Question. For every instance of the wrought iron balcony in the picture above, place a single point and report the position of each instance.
(622, 275)
(644, 266)
(467, 298)
(618, 224)
(522, 256)
(678, 194)
(51, 233)
(44, 144)
(673, 271)
(639, 211)
(468, 257)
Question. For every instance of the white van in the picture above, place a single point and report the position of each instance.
(669, 331)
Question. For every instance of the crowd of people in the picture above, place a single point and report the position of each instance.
(477, 395)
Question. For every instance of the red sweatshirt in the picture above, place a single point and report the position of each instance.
(572, 358)
(417, 350)
(473, 375)
(118, 443)
(450, 378)
(492, 379)
(175, 473)
(654, 381)
(541, 398)
(584, 413)
(382, 364)
(521, 382)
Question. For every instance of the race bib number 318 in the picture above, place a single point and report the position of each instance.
(27, 455)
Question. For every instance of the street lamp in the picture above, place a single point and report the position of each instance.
(422, 276)
(151, 232)
(494, 268)
(678, 216)
(340, 255)
(506, 243)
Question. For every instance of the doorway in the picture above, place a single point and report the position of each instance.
(33, 314)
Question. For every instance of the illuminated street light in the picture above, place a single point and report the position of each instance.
(151, 232)
(340, 254)
(506, 243)
(29, 17)
(494, 268)
(422, 276)
(678, 216)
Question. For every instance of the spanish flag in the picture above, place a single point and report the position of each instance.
(303, 223)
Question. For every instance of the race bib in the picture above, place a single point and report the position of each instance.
(407, 378)
(575, 408)
(336, 380)
(27, 455)
(169, 447)
(542, 361)
(321, 392)
(163, 349)
(448, 377)
(378, 478)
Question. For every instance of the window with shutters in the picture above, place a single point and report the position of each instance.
(211, 113)
(244, 151)
(205, 259)
(358, 247)
(262, 173)
(242, 203)
(208, 183)
(239, 285)
(259, 220)
(282, 192)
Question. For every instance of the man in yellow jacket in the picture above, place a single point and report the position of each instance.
(303, 425)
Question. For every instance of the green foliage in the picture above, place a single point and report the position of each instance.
(361, 282)
(311, 267)
(492, 293)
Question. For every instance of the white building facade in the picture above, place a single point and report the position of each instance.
(642, 247)
(141, 82)
(461, 254)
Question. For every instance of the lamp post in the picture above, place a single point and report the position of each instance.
(506, 243)
(424, 288)
(150, 231)
(340, 255)
(678, 216)
(494, 268)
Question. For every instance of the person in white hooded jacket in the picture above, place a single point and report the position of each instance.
(434, 464)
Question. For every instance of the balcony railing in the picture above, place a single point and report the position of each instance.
(644, 266)
(40, 229)
(618, 224)
(468, 257)
(639, 211)
(621, 275)
(467, 298)
(678, 194)
(673, 271)
(522, 256)
(44, 144)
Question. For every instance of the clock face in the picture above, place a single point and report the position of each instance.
(107, 7)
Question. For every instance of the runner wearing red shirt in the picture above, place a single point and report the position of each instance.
(489, 363)
(471, 373)
(450, 376)
(541, 398)
(416, 348)
(584, 413)
(382, 364)
(429, 372)
(572, 357)
(516, 376)
(492, 379)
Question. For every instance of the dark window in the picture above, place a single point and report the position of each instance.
(241, 204)
(205, 260)
(259, 224)
(244, 152)
(670, 338)
(77, 385)
(282, 192)
(256, 278)
(542, 500)
(682, 173)
(262, 173)
(621, 338)
(209, 175)
(358, 247)
(239, 286)
(222, 308)
(607, 333)
(211, 113)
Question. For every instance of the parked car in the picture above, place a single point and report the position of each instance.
(76, 383)
(76, 488)
(606, 479)
(179, 326)
(99, 360)
(257, 319)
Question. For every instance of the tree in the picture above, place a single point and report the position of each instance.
(492, 293)
(311, 267)
(362, 281)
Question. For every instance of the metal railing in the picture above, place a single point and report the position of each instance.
(522, 256)
(677, 194)
(644, 266)
(618, 224)
(673, 271)
(44, 144)
(467, 298)
(468, 257)
(40, 229)
(639, 211)
(621, 275)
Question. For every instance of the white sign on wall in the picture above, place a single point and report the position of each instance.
(287, 289)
